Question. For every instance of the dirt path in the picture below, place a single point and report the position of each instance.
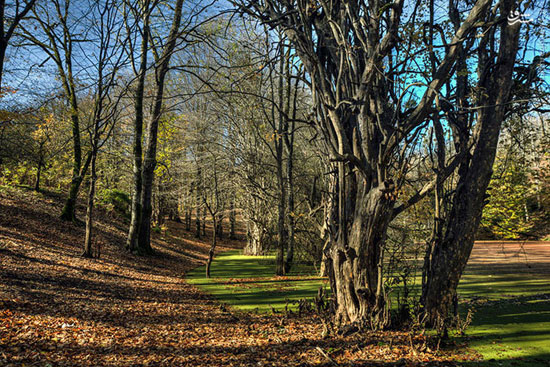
(58, 309)
(531, 257)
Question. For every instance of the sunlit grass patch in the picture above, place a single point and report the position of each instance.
(248, 282)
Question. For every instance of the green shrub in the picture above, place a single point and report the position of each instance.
(117, 200)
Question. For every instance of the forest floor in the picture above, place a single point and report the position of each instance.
(59, 309)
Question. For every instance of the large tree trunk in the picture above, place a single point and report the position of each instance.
(256, 237)
(79, 170)
(68, 213)
(148, 174)
(354, 259)
(450, 255)
(219, 226)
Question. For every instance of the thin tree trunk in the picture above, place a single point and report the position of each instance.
(198, 209)
(204, 221)
(281, 230)
(88, 251)
(281, 207)
(149, 161)
(212, 248)
(38, 172)
(3, 47)
(5, 34)
(232, 219)
(135, 221)
(188, 218)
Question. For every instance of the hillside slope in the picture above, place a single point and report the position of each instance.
(59, 309)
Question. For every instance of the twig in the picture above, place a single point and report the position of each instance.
(326, 356)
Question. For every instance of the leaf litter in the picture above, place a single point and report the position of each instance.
(59, 309)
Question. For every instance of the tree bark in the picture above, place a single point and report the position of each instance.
(149, 161)
(212, 248)
(135, 220)
(88, 250)
(355, 260)
(452, 252)
(232, 219)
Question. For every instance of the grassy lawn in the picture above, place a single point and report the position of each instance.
(247, 282)
(511, 325)
(512, 332)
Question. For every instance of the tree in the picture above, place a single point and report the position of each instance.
(356, 57)
(110, 59)
(60, 30)
(11, 15)
(142, 16)
(162, 49)
(449, 253)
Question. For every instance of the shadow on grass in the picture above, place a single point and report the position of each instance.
(538, 360)
(512, 332)
(248, 282)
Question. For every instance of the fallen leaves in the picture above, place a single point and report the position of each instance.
(57, 309)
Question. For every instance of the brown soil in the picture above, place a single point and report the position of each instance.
(511, 257)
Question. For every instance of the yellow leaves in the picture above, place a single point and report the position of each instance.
(7, 90)
(273, 136)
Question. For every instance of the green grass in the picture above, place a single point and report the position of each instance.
(512, 332)
(511, 325)
(247, 282)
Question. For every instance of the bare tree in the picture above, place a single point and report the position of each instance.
(354, 53)
(11, 15)
(110, 59)
(141, 13)
(453, 240)
(60, 30)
